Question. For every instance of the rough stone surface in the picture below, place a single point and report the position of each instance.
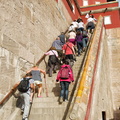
(114, 53)
(27, 30)
(106, 92)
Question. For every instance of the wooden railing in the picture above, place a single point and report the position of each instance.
(9, 94)
(13, 90)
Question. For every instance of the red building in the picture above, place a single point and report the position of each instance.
(107, 8)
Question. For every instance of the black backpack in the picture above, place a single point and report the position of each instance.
(24, 85)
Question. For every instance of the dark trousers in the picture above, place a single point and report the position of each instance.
(79, 46)
(64, 89)
(52, 64)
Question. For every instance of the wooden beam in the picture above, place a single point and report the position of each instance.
(77, 5)
(102, 10)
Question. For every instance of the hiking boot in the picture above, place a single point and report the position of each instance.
(61, 99)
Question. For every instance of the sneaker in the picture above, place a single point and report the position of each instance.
(22, 110)
(30, 101)
(66, 100)
(24, 118)
(61, 99)
(39, 96)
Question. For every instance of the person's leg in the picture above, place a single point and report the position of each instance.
(54, 67)
(50, 66)
(86, 40)
(39, 89)
(31, 95)
(84, 43)
(51, 70)
(21, 102)
(66, 90)
(71, 63)
(27, 105)
(62, 92)
(79, 46)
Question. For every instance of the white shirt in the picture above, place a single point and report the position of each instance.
(52, 52)
(71, 28)
(80, 24)
(72, 35)
(75, 24)
(90, 19)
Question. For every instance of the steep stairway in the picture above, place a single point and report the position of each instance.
(49, 108)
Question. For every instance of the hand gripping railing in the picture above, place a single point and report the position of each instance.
(13, 90)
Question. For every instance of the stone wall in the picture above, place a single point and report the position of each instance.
(102, 97)
(114, 55)
(27, 30)
(106, 91)
(94, 94)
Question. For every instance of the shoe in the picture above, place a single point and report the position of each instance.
(24, 118)
(61, 99)
(30, 101)
(54, 71)
(22, 110)
(66, 100)
(39, 96)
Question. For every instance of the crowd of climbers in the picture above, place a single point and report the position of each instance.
(62, 56)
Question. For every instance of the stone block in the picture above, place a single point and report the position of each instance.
(27, 12)
(10, 44)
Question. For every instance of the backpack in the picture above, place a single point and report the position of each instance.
(64, 72)
(24, 85)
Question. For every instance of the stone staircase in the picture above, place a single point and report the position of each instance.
(49, 108)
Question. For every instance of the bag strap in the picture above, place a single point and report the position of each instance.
(69, 47)
(54, 53)
(27, 78)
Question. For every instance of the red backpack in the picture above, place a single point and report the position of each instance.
(64, 72)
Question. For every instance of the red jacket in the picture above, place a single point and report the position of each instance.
(70, 79)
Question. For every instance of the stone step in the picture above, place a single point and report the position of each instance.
(47, 116)
(46, 104)
(50, 94)
(47, 110)
(53, 113)
(45, 99)
(53, 92)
